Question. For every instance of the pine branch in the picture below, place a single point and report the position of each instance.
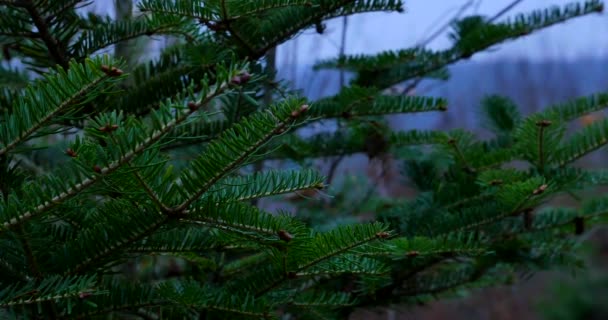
(226, 21)
(288, 30)
(189, 9)
(53, 288)
(43, 28)
(194, 295)
(79, 83)
(356, 101)
(576, 108)
(140, 147)
(235, 146)
(134, 296)
(328, 245)
(107, 34)
(243, 220)
(585, 141)
(322, 300)
(264, 184)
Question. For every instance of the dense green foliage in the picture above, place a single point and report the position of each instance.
(103, 172)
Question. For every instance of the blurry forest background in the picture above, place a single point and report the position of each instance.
(552, 66)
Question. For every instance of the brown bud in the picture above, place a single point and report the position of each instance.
(115, 72)
(70, 152)
(292, 275)
(84, 295)
(297, 113)
(412, 254)
(285, 236)
(97, 169)
(215, 26)
(111, 71)
(236, 80)
(496, 182)
(540, 190)
(383, 235)
(245, 77)
(452, 141)
(193, 106)
(543, 123)
(108, 128)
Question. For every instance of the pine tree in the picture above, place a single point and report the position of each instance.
(103, 171)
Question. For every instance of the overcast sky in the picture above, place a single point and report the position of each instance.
(369, 33)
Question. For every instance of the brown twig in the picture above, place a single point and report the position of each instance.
(43, 29)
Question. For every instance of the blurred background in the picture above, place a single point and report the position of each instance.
(547, 67)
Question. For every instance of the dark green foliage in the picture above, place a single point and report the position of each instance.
(500, 115)
(104, 172)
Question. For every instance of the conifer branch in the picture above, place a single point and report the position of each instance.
(141, 147)
(279, 128)
(65, 6)
(51, 43)
(226, 20)
(118, 308)
(29, 255)
(335, 5)
(150, 192)
(541, 139)
(454, 143)
(23, 34)
(39, 123)
(446, 286)
(312, 262)
(264, 184)
(145, 186)
(519, 208)
(230, 227)
(78, 269)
